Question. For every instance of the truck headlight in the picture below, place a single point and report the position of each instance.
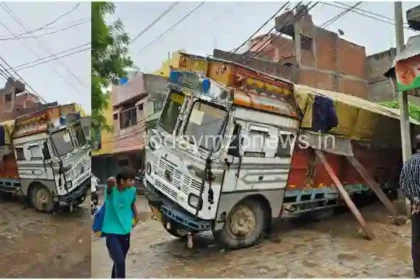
(69, 185)
(194, 201)
(148, 168)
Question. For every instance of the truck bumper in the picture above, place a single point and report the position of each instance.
(173, 212)
(75, 194)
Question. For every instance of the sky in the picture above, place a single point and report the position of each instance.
(226, 25)
(66, 80)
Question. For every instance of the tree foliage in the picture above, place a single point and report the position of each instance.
(110, 59)
(413, 109)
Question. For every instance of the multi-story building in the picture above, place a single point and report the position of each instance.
(132, 103)
(307, 54)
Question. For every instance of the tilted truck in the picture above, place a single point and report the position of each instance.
(235, 188)
(45, 156)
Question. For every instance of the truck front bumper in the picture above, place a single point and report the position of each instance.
(173, 212)
(75, 194)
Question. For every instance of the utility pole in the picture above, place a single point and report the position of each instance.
(402, 96)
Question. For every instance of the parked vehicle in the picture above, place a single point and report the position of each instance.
(210, 164)
(45, 156)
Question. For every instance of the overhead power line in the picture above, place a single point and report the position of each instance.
(53, 58)
(19, 77)
(172, 27)
(47, 33)
(170, 8)
(17, 20)
(48, 24)
(43, 58)
(335, 18)
(367, 14)
(262, 26)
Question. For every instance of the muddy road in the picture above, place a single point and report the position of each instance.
(39, 245)
(334, 247)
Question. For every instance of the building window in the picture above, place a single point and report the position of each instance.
(305, 43)
(128, 118)
(8, 97)
(115, 116)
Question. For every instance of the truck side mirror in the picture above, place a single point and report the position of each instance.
(234, 147)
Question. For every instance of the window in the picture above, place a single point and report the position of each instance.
(80, 136)
(62, 144)
(8, 97)
(20, 154)
(305, 43)
(170, 112)
(254, 142)
(128, 118)
(35, 152)
(205, 125)
(115, 116)
(285, 144)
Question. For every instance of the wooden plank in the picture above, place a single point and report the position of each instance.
(375, 187)
(345, 195)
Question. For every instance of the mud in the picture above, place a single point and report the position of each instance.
(39, 245)
(334, 247)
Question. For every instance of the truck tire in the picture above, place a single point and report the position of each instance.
(41, 199)
(175, 229)
(244, 225)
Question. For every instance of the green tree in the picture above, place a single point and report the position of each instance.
(413, 109)
(110, 60)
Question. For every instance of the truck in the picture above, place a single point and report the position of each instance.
(235, 148)
(45, 157)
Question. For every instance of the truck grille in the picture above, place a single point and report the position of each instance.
(179, 180)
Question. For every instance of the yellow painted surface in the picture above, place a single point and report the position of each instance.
(166, 66)
(107, 137)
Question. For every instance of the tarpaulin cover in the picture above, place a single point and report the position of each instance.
(358, 119)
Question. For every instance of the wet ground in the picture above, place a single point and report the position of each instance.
(39, 245)
(334, 247)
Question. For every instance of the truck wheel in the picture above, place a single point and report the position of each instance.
(174, 230)
(244, 225)
(42, 199)
(80, 200)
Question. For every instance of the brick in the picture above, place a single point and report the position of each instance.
(352, 87)
(325, 49)
(351, 59)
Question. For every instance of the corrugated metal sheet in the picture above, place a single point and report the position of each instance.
(411, 49)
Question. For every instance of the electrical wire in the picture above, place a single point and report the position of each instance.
(170, 8)
(55, 57)
(20, 78)
(262, 26)
(43, 58)
(172, 27)
(17, 20)
(48, 24)
(47, 33)
(335, 18)
(368, 14)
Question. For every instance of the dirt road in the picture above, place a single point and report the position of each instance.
(39, 245)
(334, 247)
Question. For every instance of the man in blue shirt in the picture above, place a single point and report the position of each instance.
(118, 221)
(410, 186)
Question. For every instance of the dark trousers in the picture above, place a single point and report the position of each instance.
(415, 243)
(118, 246)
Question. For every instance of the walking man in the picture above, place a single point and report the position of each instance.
(118, 222)
(410, 185)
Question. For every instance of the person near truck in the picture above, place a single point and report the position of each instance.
(410, 185)
(120, 210)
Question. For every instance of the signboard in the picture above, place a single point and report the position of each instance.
(408, 73)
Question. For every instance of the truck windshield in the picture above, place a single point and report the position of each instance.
(205, 125)
(62, 142)
(80, 135)
(170, 112)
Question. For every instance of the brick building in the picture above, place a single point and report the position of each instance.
(309, 55)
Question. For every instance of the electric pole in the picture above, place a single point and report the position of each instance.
(402, 96)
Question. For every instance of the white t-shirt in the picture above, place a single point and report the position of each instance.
(93, 183)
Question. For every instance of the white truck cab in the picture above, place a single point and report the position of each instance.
(217, 163)
(52, 159)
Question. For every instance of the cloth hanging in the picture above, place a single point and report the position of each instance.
(324, 115)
